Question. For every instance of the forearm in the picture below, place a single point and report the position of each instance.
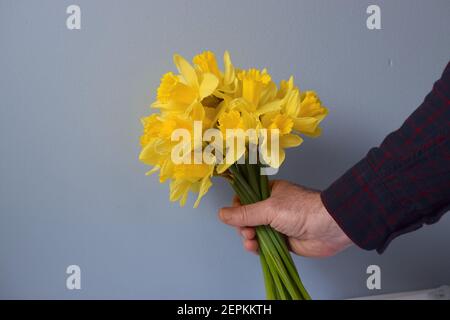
(403, 183)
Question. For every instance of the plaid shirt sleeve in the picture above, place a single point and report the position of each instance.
(403, 183)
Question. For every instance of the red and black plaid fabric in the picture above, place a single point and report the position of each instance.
(402, 184)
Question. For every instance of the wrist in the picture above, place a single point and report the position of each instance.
(339, 238)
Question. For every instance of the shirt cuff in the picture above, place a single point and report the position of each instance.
(361, 205)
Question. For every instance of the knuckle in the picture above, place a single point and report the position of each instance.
(243, 214)
(271, 206)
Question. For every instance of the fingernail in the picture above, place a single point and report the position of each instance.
(224, 215)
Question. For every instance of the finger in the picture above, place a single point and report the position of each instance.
(312, 249)
(255, 214)
(248, 233)
(251, 245)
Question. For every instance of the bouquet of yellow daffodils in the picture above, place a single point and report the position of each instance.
(235, 124)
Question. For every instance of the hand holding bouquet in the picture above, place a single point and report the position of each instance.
(234, 124)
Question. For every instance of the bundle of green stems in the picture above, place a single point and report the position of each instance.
(281, 278)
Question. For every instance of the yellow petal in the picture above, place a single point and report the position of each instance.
(267, 149)
(152, 171)
(223, 106)
(206, 62)
(198, 112)
(314, 134)
(311, 106)
(282, 157)
(192, 172)
(241, 104)
(238, 153)
(282, 123)
(221, 168)
(253, 83)
(183, 199)
(269, 93)
(290, 141)
(250, 121)
(285, 87)
(166, 170)
(230, 120)
(178, 188)
(229, 76)
(292, 104)
(306, 125)
(208, 85)
(149, 155)
(186, 70)
(269, 107)
(204, 187)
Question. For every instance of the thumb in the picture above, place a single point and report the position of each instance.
(256, 214)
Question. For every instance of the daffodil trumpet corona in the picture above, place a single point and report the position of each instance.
(233, 123)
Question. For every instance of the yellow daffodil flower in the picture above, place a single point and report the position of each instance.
(228, 99)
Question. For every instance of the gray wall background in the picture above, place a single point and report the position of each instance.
(73, 192)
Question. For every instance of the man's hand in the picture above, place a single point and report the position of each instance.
(294, 211)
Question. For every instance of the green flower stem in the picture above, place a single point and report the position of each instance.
(243, 193)
(253, 179)
(274, 256)
(271, 292)
(279, 287)
(242, 170)
(289, 262)
(273, 287)
(265, 190)
(264, 184)
(244, 184)
(281, 246)
(280, 274)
